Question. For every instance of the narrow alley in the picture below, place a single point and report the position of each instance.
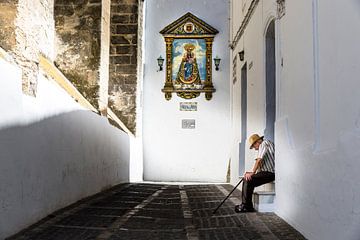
(149, 211)
(134, 119)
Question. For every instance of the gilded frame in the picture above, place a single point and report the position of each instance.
(200, 31)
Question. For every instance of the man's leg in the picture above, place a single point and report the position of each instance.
(248, 186)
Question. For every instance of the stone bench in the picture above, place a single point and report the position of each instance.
(264, 200)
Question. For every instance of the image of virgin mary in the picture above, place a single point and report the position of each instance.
(188, 71)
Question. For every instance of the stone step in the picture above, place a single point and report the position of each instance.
(268, 187)
(264, 201)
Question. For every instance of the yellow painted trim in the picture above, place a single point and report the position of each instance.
(113, 116)
(4, 55)
(49, 68)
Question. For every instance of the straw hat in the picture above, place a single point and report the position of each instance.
(253, 138)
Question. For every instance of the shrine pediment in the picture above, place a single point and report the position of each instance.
(188, 57)
(187, 25)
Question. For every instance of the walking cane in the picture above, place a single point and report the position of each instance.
(227, 196)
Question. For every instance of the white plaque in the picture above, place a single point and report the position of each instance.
(188, 123)
(188, 106)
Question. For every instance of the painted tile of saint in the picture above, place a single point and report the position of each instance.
(188, 70)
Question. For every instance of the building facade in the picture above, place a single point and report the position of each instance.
(294, 80)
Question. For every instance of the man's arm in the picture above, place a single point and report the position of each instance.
(257, 164)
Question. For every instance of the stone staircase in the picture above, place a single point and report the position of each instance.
(264, 199)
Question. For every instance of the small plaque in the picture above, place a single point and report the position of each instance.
(188, 123)
(188, 106)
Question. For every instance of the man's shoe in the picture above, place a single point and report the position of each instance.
(242, 209)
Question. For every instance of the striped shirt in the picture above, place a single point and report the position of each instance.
(267, 155)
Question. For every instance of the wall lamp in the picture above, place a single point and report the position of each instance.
(160, 62)
(241, 55)
(217, 63)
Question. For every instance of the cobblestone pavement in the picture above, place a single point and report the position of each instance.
(151, 212)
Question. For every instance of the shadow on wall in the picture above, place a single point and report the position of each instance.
(52, 163)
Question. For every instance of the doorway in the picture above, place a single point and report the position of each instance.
(242, 146)
(270, 81)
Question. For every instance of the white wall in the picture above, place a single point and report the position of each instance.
(317, 167)
(317, 131)
(170, 152)
(52, 152)
(253, 44)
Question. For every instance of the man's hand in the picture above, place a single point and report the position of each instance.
(248, 175)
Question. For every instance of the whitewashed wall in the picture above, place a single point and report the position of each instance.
(53, 152)
(317, 130)
(170, 152)
(253, 44)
